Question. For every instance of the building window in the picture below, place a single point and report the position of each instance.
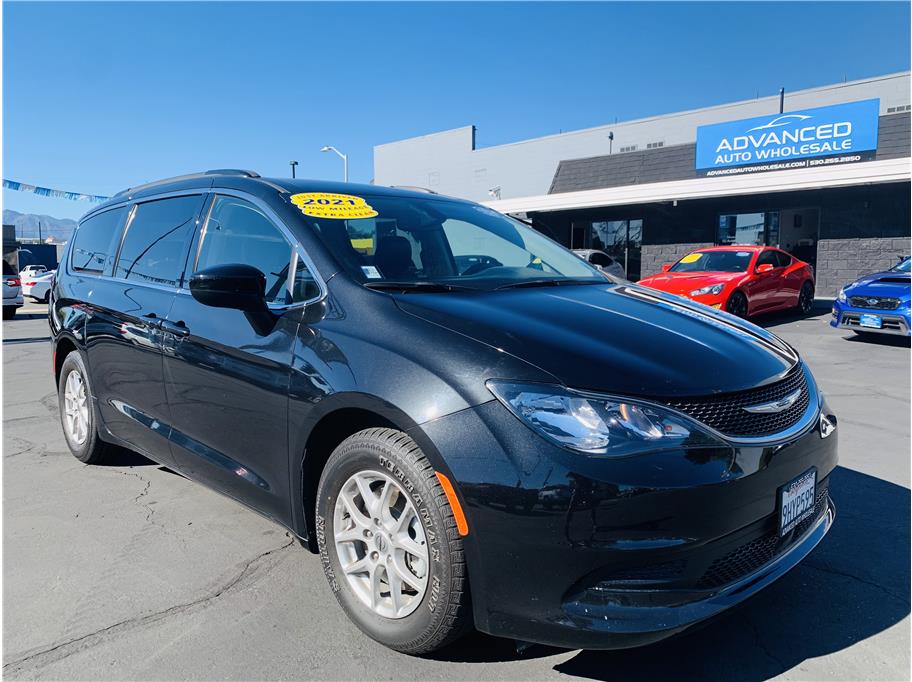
(628, 148)
(896, 110)
(655, 145)
(749, 228)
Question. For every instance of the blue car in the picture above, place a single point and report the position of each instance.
(877, 303)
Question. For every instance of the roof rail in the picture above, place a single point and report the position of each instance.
(233, 171)
(189, 176)
(414, 188)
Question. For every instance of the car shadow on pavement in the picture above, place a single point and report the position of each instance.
(853, 586)
(820, 310)
(122, 457)
(880, 340)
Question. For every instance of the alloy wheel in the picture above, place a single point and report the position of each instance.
(737, 305)
(76, 408)
(806, 299)
(381, 544)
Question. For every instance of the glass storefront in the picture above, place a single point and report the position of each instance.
(749, 228)
(620, 239)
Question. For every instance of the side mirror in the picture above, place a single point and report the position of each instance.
(765, 267)
(666, 267)
(234, 285)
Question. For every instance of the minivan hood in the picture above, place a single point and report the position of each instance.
(622, 339)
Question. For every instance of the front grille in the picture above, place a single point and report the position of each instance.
(752, 555)
(874, 302)
(725, 412)
(889, 324)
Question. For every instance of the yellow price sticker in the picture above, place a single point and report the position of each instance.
(692, 258)
(331, 205)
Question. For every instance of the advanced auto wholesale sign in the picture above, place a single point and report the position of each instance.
(843, 133)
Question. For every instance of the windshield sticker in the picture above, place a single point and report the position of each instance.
(371, 272)
(330, 205)
(692, 258)
(743, 253)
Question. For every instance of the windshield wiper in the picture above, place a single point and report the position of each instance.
(420, 285)
(550, 283)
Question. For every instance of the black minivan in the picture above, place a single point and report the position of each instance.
(468, 423)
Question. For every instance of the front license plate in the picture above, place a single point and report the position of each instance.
(873, 321)
(796, 501)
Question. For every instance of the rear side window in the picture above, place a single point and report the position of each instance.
(238, 232)
(94, 240)
(783, 259)
(600, 259)
(154, 248)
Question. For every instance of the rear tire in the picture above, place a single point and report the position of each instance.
(806, 298)
(77, 412)
(737, 305)
(430, 607)
(9, 312)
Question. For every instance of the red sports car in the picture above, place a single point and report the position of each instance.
(743, 280)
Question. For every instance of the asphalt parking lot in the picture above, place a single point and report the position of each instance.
(129, 571)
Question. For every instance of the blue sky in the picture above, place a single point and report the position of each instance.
(98, 97)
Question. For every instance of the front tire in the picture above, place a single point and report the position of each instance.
(737, 305)
(77, 412)
(389, 544)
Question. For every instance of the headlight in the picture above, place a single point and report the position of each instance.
(715, 289)
(841, 297)
(604, 425)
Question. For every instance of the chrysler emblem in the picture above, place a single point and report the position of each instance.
(775, 405)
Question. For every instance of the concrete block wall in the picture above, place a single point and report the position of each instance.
(840, 261)
(654, 255)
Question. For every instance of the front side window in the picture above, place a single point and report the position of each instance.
(768, 258)
(154, 248)
(421, 242)
(714, 261)
(94, 240)
(239, 232)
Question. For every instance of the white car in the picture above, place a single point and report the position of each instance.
(32, 271)
(602, 261)
(38, 287)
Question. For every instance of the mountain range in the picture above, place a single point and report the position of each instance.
(27, 225)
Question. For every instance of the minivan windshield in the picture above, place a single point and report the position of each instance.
(713, 261)
(432, 245)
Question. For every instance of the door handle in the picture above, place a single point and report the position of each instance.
(177, 328)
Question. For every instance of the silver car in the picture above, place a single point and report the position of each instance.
(12, 291)
(602, 261)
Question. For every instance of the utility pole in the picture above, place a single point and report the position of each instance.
(39, 230)
(781, 100)
(293, 164)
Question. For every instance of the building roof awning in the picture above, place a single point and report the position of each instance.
(845, 175)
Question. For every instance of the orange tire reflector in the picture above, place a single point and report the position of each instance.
(461, 524)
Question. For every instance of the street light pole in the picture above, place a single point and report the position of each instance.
(330, 148)
(293, 164)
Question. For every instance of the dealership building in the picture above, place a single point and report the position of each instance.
(823, 173)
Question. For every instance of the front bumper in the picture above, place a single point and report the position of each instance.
(895, 322)
(587, 552)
